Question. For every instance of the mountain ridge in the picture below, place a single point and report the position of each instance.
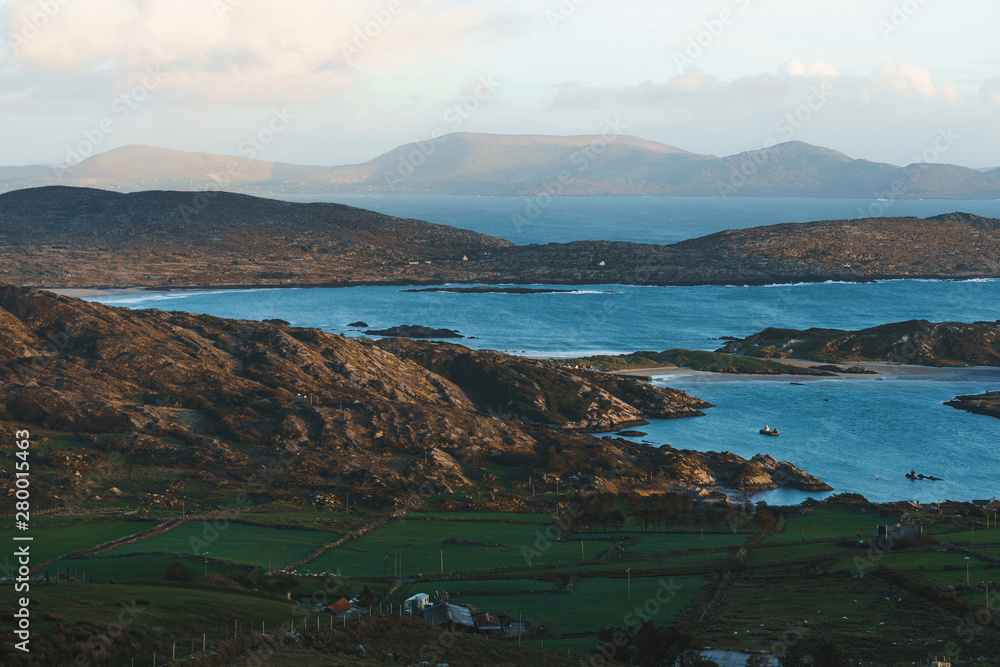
(465, 163)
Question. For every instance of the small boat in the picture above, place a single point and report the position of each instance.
(767, 430)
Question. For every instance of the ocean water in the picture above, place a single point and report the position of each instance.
(525, 220)
(863, 439)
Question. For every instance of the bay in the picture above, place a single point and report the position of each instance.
(870, 428)
(545, 219)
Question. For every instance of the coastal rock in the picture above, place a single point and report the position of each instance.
(727, 470)
(981, 404)
(522, 389)
(358, 325)
(784, 474)
(414, 331)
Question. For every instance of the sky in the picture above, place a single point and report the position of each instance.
(331, 82)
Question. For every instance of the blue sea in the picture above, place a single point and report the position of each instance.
(860, 434)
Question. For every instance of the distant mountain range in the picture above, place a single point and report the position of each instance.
(526, 165)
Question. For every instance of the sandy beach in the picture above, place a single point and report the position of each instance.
(884, 369)
(84, 292)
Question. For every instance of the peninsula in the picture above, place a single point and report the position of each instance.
(79, 237)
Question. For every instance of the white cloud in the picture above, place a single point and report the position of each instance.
(908, 79)
(816, 69)
(243, 50)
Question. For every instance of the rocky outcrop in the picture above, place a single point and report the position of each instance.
(912, 342)
(981, 404)
(544, 393)
(414, 331)
(729, 471)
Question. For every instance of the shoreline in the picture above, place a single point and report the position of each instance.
(884, 370)
(105, 290)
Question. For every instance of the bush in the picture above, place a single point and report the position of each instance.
(178, 572)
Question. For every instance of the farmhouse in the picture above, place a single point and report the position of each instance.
(989, 505)
(344, 608)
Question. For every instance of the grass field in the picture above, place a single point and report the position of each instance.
(122, 569)
(576, 612)
(830, 522)
(991, 536)
(498, 586)
(779, 603)
(54, 541)
(492, 517)
(770, 554)
(656, 543)
(936, 567)
(252, 545)
(420, 546)
(174, 614)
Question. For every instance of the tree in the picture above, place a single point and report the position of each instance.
(765, 519)
(368, 598)
(826, 654)
(178, 572)
(794, 657)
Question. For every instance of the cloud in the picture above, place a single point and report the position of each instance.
(244, 50)
(816, 69)
(991, 90)
(907, 79)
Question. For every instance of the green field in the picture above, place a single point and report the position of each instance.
(497, 586)
(490, 517)
(174, 614)
(240, 543)
(991, 536)
(941, 568)
(575, 612)
(120, 569)
(830, 522)
(420, 546)
(660, 543)
(770, 554)
(54, 541)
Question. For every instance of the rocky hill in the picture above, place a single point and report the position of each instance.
(493, 164)
(155, 408)
(67, 236)
(955, 244)
(77, 237)
(912, 342)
